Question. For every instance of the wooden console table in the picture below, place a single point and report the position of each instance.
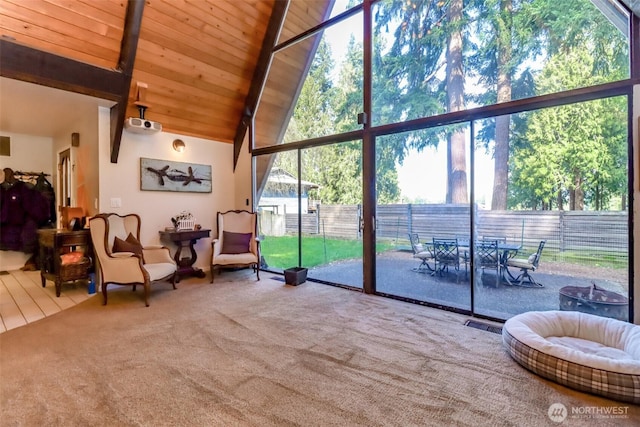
(186, 238)
(56, 242)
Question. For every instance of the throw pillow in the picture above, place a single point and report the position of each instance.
(235, 243)
(130, 245)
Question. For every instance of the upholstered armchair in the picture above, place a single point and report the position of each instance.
(121, 258)
(237, 244)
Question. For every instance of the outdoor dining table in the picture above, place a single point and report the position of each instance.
(507, 250)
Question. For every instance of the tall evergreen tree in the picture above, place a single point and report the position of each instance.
(571, 151)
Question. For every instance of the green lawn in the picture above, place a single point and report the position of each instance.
(282, 251)
(592, 259)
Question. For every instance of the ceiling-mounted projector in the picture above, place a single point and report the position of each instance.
(138, 125)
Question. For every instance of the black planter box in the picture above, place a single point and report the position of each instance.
(295, 276)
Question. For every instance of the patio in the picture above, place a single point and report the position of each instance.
(396, 277)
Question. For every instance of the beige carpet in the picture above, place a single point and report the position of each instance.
(247, 353)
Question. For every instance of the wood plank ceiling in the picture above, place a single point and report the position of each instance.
(198, 58)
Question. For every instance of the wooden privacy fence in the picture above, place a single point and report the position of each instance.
(335, 221)
(563, 230)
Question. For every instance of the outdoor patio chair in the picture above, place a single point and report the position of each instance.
(488, 256)
(446, 254)
(525, 266)
(421, 252)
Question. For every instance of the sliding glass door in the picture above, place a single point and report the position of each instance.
(331, 222)
(562, 232)
(414, 214)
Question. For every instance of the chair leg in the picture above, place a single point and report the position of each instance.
(213, 272)
(523, 279)
(529, 280)
(146, 293)
(173, 279)
(104, 293)
(424, 267)
(510, 278)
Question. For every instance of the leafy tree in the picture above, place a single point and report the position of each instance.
(456, 146)
(322, 109)
(428, 40)
(611, 180)
(513, 33)
(419, 71)
(313, 114)
(571, 149)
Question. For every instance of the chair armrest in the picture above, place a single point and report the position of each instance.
(153, 247)
(122, 254)
(215, 248)
(121, 267)
(157, 255)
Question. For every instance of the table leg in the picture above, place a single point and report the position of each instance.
(185, 265)
(506, 254)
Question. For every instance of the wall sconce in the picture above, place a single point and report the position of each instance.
(179, 145)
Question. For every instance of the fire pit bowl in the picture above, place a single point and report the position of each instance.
(594, 300)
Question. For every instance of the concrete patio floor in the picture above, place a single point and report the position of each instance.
(396, 276)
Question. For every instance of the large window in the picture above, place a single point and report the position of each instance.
(486, 167)
(433, 57)
(314, 87)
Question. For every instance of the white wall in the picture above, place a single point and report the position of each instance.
(23, 148)
(22, 159)
(122, 181)
(84, 160)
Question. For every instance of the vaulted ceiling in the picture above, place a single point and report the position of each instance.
(203, 62)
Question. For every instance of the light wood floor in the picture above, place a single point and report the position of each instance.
(23, 299)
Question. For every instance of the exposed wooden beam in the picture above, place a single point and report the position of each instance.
(35, 66)
(128, 48)
(23, 63)
(259, 75)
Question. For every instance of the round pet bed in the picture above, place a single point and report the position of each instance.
(586, 352)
